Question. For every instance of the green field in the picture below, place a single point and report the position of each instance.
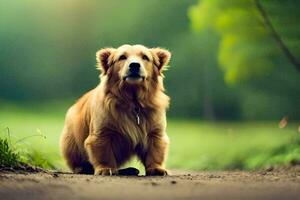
(196, 145)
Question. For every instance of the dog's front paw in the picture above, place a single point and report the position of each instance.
(106, 171)
(156, 172)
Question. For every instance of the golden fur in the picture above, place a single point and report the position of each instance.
(101, 130)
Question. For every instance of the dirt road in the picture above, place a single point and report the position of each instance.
(203, 185)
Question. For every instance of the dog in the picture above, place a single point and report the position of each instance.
(124, 115)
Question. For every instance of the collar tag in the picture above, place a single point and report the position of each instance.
(137, 119)
(137, 115)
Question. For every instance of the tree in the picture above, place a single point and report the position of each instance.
(247, 29)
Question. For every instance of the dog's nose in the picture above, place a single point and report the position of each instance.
(134, 67)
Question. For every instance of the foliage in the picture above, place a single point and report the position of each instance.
(8, 156)
(15, 154)
(35, 158)
(232, 145)
(247, 47)
(283, 154)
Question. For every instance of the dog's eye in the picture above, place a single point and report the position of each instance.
(122, 57)
(145, 58)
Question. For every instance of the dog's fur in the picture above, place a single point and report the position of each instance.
(101, 131)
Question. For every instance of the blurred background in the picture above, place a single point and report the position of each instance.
(234, 77)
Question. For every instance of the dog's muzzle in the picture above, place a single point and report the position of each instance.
(134, 72)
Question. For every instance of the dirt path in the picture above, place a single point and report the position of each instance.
(203, 185)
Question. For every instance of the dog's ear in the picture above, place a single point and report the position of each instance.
(161, 57)
(104, 59)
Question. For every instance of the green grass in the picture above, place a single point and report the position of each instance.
(217, 146)
(8, 156)
(194, 145)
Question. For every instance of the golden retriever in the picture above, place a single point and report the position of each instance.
(124, 115)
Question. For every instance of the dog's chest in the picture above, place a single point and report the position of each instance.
(134, 126)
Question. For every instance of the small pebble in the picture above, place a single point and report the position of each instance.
(213, 176)
(173, 182)
(269, 169)
(154, 184)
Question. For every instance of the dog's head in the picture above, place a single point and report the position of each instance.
(133, 65)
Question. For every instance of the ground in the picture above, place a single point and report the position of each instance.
(269, 184)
